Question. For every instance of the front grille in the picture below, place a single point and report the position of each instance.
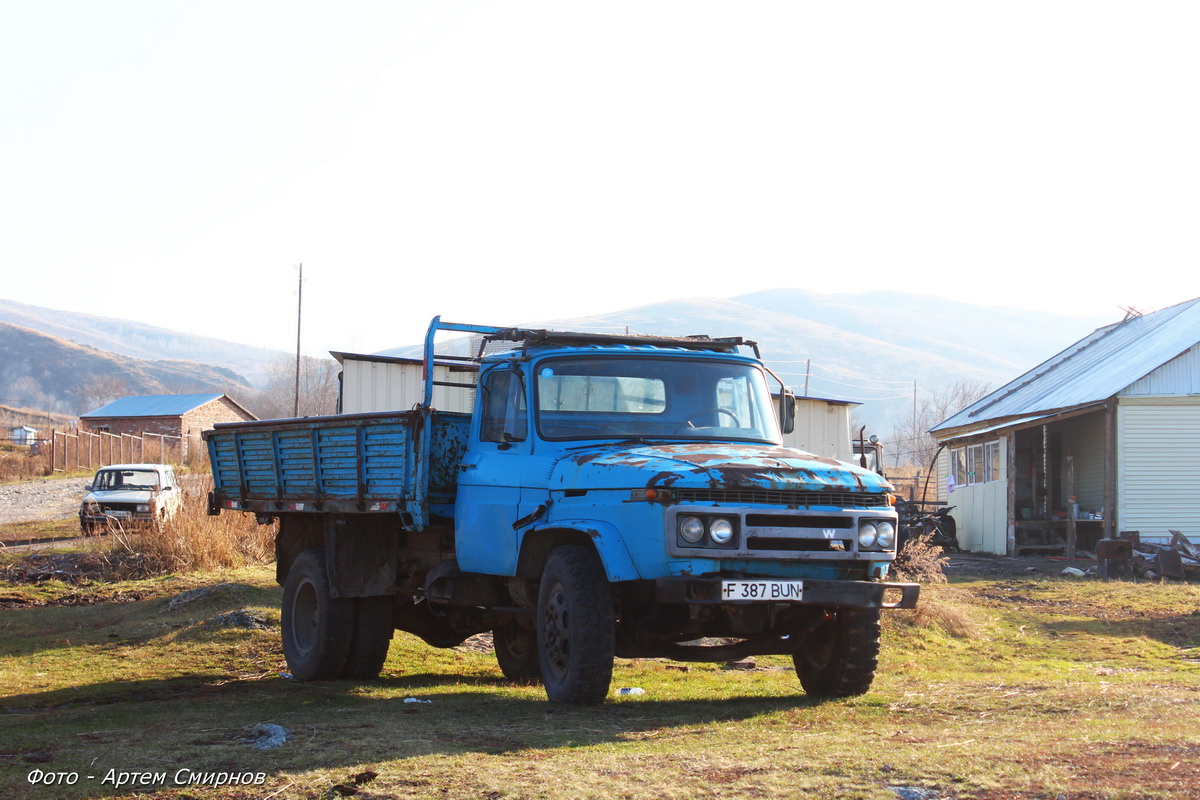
(788, 499)
(131, 507)
(797, 521)
(796, 545)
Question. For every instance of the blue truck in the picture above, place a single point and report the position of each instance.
(607, 496)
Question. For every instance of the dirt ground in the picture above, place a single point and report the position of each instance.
(54, 498)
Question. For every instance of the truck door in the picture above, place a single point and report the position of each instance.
(494, 470)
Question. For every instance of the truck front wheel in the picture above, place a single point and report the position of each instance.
(317, 628)
(840, 655)
(576, 631)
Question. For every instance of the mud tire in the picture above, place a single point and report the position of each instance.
(372, 637)
(317, 629)
(576, 630)
(840, 656)
(516, 646)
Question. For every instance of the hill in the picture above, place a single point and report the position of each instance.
(872, 348)
(45, 372)
(140, 341)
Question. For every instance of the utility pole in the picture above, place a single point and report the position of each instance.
(299, 310)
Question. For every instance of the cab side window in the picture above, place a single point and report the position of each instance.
(505, 418)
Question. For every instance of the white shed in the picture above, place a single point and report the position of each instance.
(23, 435)
(1097, 440)
(372, 383)
(822, 428)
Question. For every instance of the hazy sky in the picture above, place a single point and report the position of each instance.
(509, 162)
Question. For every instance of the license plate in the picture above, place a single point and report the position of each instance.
(118, 514)
(783, 591)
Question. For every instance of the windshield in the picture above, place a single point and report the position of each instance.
(125, 479)
(654, 398)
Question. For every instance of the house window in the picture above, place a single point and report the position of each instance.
(958, 466)
(976, 463)
(991, 461)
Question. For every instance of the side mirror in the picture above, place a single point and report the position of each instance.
(787, 412)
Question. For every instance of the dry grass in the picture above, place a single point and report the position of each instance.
(193, 541)
(22, 464)
(942, 607)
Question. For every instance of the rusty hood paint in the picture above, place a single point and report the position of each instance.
(710, 465)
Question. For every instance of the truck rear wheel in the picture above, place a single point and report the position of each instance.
(516, 646)
(372, 637)
(317, 628)
(576, 631)
(840, 656)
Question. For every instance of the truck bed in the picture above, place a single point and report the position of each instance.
(351, 463)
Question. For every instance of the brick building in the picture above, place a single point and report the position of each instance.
(182, 415)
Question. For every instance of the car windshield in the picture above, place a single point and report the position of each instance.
(653, 398)
(109, 480)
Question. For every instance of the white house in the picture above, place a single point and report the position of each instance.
(1102, 438)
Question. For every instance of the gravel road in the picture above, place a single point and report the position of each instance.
(55, 498)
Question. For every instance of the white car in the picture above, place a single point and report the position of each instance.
(131, 495)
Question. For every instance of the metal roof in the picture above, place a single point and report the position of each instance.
(1093, 369)
(154, 405)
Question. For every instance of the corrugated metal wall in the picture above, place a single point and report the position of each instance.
(1179, 376)
(371, 386)
(822, 428)
(1159, 471)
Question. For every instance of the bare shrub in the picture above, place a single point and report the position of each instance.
(921, 561)
(194, 541)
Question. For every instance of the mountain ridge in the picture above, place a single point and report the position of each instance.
(38, 370)
(874, 348)
(139, 340)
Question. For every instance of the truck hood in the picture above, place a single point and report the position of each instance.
(120, 496)
(710, 465)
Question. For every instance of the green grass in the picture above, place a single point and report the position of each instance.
(1015, 688)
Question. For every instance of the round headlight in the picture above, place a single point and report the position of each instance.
(721, 530)
(691, 529)
(886, 535)
(867, 534)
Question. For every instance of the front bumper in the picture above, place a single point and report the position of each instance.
(851, 594)
(127, 519)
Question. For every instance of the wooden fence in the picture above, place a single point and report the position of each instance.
(74, 450)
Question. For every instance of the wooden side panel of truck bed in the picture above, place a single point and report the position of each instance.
(346, 463)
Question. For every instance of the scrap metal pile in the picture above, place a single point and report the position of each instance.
(1179, 560)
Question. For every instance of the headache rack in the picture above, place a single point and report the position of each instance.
(535, 337)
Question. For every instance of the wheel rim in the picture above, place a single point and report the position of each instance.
(556, 624)
(304, 617)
